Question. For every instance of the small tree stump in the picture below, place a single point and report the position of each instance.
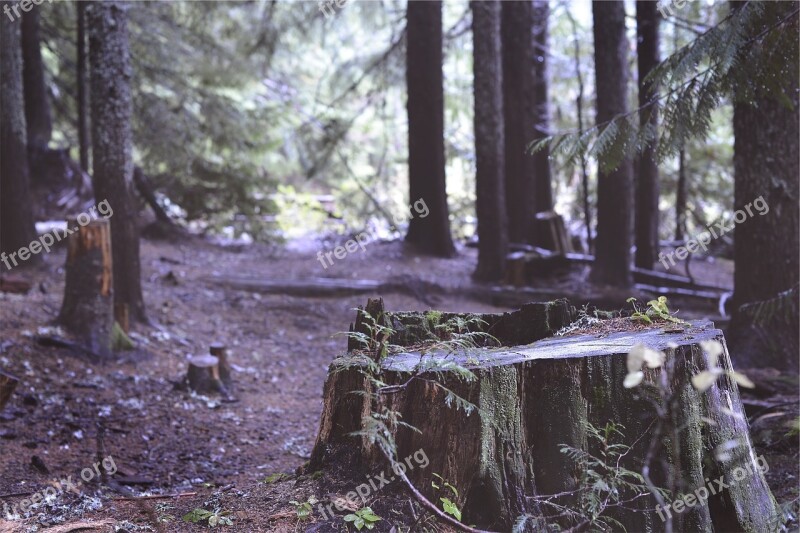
(534, 394)
(204, 376)
(8, 383)
(88, 307)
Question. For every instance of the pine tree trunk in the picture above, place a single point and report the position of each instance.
(766, 169)
(519, 117)
(111, 139)
(16, 205)
(543, 191)
(647, 189)
(530, 397)
(489, 144)
(82, 82)
(37, 104)
(426, 163)
(88, 307)
(612, 264)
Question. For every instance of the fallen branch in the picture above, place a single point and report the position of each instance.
(155, 496)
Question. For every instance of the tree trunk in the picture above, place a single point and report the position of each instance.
(83, 94)
(88, 307)
(680, 197)
(529, 398)
(543, 191)
(111, 138)
(16, 206)
(37, 104)
(426, 163)
(614, 189)
(489, 145)
(766, 246)
(647, 190)
(519, 117)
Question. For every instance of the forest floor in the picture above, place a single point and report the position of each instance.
(193, 451)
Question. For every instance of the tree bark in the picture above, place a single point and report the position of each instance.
(88, 307)
(519, 117)
(112, 142)
(489, 143)
(504, 457)
(766, 246)
(16, 205)
(426, 161)
(543, 191)
(614, 189)
(84, 140)
(647, 190)
(37, 104)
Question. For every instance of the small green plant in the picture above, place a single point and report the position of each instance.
(304, 510)
(447, 504)
(363, 518)
(214, 518)
(655, 309)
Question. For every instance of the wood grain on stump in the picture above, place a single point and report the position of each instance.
(535, 393)
(88, 307)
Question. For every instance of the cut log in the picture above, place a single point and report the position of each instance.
(8, 383)
(549, 232)
(14, 284)
(88, 307)
(534, 394)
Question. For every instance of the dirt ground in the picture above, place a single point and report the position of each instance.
(193, 451)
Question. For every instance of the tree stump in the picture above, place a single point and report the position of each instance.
(534, 394)
(88, 307)
(221, 352)
(210, 373)
(8, 383)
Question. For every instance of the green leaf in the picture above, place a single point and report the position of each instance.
(197, 515)
(451, 508)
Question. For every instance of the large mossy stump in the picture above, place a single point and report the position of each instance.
(535, 393)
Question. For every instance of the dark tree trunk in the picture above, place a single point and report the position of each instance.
(766, 170)
(520, 117)
(16, 206)
(426, 163)
(614, 189)
(647, 190)
(88, 307)
(489, 145)
(83, 101)
(37, 104)
(543, 192)
(680, 197)
(111, 144)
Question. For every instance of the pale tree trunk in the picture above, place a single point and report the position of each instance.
(112, 143)
(612, 264)
(489, 145)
